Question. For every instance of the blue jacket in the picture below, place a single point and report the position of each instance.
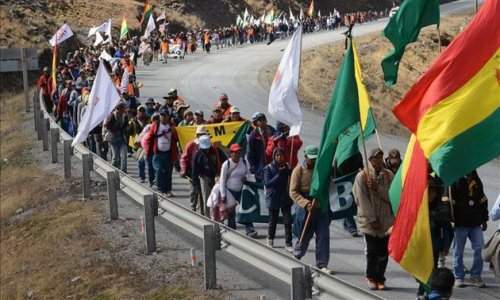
(276, 184)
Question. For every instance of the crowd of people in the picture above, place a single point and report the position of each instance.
(161, 43)
(268, 155)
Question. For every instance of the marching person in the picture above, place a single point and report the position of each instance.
(116, 132)
(290, 144)
(45, 85)
(224, 106)
(186, 171)
(257, 142)
(276, 176)
(300, 185)
(375, 218)
(206, 166)
(162, 140)
(393, 160)
(233, 174)
(492, 246)
(471, 214)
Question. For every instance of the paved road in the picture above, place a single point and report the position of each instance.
(201, 78)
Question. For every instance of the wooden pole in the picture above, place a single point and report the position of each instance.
(306, 224)
(439, 38)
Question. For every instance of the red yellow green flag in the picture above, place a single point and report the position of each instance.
(454, 108)
(410, 243)
(148, 10)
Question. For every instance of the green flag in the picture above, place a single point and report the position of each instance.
(403, 28)
(339, 139)
(124, 29)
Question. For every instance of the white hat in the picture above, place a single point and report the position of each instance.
(204, 142)
(201, 130)
(234, 109)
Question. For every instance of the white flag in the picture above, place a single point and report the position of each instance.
(102, 100)
(105, 55)
(292, 17)
(98, 39)
(319, 13)
(61, 35)
(150, 27)
(283, 98)
(104, 27)
(301, 15)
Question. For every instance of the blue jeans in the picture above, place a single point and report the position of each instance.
(350, 224)
(475, 236)
(142, 168)
(119, 155)
(163, 167)
(319, 226)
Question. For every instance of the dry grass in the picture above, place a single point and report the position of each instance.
(52, 249)
(21, 184)
(320, 68)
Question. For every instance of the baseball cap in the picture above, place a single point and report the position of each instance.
(311, 152)
(204, 142)
(257, 116)
(199, 113)
(235, 148)
(234, 109)
(150, 101)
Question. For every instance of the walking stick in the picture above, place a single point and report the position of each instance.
(306, 224)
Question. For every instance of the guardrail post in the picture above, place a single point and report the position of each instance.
(54, 140)
(218, 236)
(86, 166)
(36, 108)
(24, 64)
(40, 124)
(113, 180)
(156, 205)
(149, 224)
(67, 158)
(45, 134)
(209, 247)
(308, 282)
(298, 287)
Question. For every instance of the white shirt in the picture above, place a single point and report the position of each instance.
(235, 180)
(164, 135)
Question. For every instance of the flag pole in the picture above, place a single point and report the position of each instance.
(378, 139)
(439, 37)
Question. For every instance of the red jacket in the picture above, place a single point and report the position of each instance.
(286, 145)
(45, 84)
(152, 142)
(187, 157)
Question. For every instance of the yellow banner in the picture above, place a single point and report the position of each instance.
(220, 132)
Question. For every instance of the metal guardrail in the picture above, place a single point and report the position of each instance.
(300, 276)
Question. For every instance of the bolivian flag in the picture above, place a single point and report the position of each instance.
(123, 29)
(148, 10)
(454, 109)
(410, 243)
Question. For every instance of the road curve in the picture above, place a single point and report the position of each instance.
(201, 78)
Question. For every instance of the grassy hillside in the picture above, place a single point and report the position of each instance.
(32, 22)
(320, 67)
